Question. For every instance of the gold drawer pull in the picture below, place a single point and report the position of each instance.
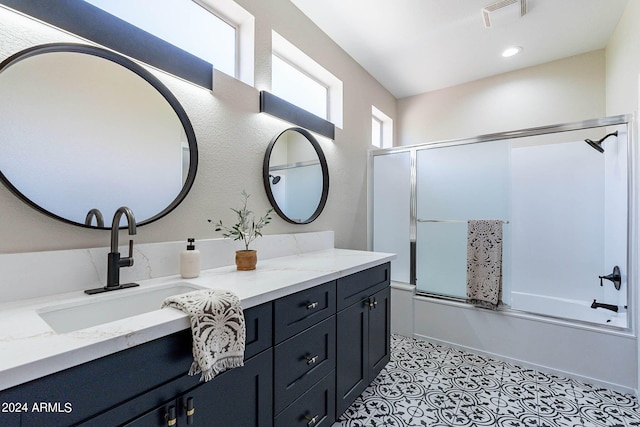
(312, 421)
(170, 416)
(311, 360)
(189, 410)
(312, 305)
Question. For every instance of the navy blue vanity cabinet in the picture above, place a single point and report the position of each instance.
(305, 357)
(363, 332)
(136, 386)
(239, 397)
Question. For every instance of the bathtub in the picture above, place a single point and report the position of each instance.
(567, 309)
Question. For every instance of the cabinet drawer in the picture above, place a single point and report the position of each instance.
(315, 408)
(358, 286)
(295, 313)
(303, 360)
(259, 325)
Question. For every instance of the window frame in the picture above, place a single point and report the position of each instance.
(386, 128)
(244, 22)
(236, 27)
(327, 98)
(379, 141)
(295, 57)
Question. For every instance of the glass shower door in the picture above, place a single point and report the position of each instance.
(456, 184)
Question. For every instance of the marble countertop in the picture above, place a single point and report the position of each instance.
(31, 349)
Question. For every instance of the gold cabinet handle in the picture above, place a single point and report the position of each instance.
(190, 410)
(170, 416)
(312, 305)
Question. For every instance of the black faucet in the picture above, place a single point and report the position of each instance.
(94, 213)
(114, 261)
(611, 307)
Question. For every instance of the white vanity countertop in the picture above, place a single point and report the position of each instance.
(30, 349)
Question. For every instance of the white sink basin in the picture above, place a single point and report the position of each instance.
(110, 307)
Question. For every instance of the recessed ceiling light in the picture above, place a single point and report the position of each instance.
(510, 51)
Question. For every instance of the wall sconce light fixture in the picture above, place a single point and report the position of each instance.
(285, 110)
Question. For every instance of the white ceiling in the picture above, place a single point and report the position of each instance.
(416, 46)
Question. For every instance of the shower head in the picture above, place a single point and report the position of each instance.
(275, 179)
(598, 144)
(595, 144)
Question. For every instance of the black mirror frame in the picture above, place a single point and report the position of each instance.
(149, 78)
(323, 166)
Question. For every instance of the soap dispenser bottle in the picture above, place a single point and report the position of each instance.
(190, 261)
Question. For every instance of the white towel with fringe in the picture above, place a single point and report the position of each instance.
(218, 328)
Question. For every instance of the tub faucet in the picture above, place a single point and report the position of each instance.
(611, 307)
(114, 261)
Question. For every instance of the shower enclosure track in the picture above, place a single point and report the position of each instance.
(451, 220)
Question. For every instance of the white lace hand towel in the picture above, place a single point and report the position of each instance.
(218, 328)
(484, 263)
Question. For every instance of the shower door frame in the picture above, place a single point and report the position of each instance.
(629, 120)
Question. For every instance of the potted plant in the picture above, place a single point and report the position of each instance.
(246, 229)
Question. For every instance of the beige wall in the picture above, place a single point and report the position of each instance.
(232, 137)
(567, 90)
(623, 63)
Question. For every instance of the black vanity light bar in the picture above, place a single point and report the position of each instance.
(285, 110)
(94, 24)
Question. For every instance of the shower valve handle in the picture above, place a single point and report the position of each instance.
(614, 277)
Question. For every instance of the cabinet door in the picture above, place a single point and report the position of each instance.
(352, 335)
(379, 331)
(241, 397)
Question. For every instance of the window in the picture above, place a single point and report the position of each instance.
(189, 25)
(298, 79)
(381, 129)
(293, 85)
(376, 132)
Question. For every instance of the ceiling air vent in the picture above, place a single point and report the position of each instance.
(503, 10)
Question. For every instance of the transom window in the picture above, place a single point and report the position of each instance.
(183, 23)
(381, 129)
(376, 131)
(297, 78)
(293, 85)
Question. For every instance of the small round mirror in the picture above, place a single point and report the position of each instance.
(296, 176)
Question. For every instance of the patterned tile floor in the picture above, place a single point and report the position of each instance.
(432, 385)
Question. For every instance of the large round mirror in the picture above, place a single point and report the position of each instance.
(296, 176)
(85, 131)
